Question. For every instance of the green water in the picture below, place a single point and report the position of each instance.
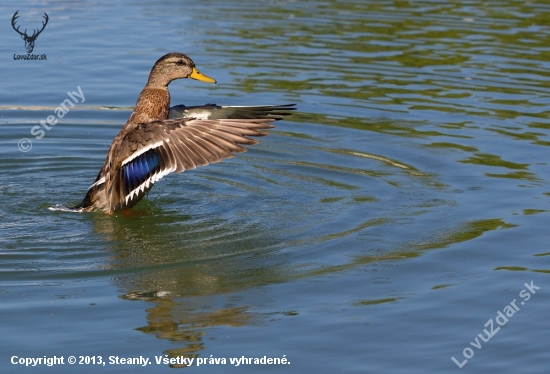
(376, 230)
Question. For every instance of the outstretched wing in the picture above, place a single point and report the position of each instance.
(213, 111)
(155, 149)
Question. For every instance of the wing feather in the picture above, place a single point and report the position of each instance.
(213, 111)
(236, 139)
(186, 160)
(155, 149)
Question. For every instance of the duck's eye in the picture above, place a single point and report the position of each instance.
(180, 62)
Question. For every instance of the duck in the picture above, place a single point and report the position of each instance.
(158, 139)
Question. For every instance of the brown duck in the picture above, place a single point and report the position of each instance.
(158, 140)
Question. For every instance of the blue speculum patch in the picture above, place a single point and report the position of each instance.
(140, 169)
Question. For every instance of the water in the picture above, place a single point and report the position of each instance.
(378, 229)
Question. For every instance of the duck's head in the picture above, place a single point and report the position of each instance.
(175, 65)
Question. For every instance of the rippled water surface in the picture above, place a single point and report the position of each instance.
(376, 230)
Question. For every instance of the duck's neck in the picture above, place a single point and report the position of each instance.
(153, 104)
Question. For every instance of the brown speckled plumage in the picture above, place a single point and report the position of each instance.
(150, 145)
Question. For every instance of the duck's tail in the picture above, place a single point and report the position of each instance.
(85, 205)
(92, 199)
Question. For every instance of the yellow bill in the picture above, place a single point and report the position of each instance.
(201, 77)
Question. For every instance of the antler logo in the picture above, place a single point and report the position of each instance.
(29, 40)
